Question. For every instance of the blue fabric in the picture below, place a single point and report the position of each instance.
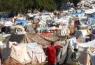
(91, 21)
(78, 14)
(21, 22)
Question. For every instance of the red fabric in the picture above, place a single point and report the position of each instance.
(47, 34)
(52, 54)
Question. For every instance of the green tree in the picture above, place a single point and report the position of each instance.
(45, 4)
(23, 5)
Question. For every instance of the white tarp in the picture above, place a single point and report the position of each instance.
(36, 52)
(46, 17)
(87, 44)
(19, 53)
(30, 14)
(90, 11)
(25, 53)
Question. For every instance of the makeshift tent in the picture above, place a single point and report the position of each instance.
(63, 52)
(40, 40)
(21, 22)
(87, 44)
(78, 14)
(30, 54)
(84, 50)
(90, 11)
(21, 38)
(86, 32)
(49, 36)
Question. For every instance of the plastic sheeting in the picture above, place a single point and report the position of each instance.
(19, 53)
(21, 22)
(26, 53)
(87, 44)
(36, 52)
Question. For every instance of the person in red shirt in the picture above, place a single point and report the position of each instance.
(52, 53)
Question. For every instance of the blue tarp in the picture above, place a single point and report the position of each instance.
(78, 14)
(91, 21)
(21, 22)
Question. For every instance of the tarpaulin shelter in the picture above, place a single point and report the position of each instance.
(21, 22)
(23, 40)
(30, 54)
(40, 40)
(90, 11)
(51, 37)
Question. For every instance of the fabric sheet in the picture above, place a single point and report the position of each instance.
(25, 53)
(63, 53)
(36, 51)
(83, 47)
(87, 44)
(19, 53)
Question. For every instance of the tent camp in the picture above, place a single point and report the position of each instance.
(13, 52)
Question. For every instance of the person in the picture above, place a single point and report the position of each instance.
(77, 24)
(52, 53)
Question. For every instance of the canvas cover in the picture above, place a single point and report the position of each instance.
(19, 53)
(25, 53)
